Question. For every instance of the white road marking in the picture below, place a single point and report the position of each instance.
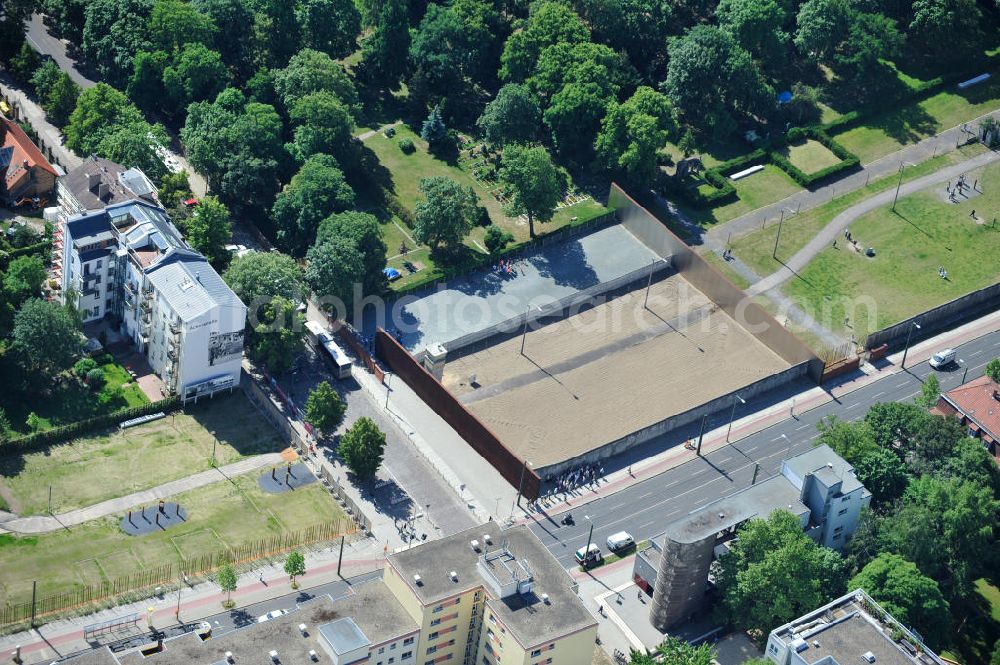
(877, 395)
(799, 429)
(855, 405)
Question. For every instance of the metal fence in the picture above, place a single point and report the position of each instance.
(346, 502)
(141, 583)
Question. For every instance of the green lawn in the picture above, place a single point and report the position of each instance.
(722, 266)
(219, 515)
(71, 400)
(976, 625)
(810, 156)
(891, 131)
(755, 191)
(902, 279)
(755, 248)
(104, 466)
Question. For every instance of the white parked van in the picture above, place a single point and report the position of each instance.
(942, 358)
(620, 541)
(589, 556)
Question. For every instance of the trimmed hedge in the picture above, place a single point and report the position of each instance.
(42, 248)
(716, 177)
(848, 160)
(31, 442)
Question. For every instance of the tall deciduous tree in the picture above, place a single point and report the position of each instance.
(638, 27)
(849, 440)
(263, 275)
(574, 117)
(361, 447)
(757, 25)
(384, 47)
(335, 269)
(538, 184)
(929, 392)
(993, 369)
(323, 124)
(364, 231)
(550, 23)
(330, 26)
(174, 23)
(317, 191)
(774, 573)
(512, 117)
(446, 215)
(713, 80)
(99, 110)
(234, 34)
(210, 229)
(325, 409)
(911, 598)
(947, 29)
(633, 132)
(312, 71)
(47, 336)
(114, 32)
(883, 474)
(822, 26)
(196, 74)
(24, 277)
(276, 337)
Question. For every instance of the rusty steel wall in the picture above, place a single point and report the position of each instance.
(680, 581)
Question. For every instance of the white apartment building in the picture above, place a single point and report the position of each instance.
(129, 264)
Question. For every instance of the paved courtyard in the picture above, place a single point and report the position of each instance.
(490, 296)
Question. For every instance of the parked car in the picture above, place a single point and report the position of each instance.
(273, 614)
(589, 556)
(943, 358)
(620, 541)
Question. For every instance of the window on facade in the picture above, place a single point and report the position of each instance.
(842, 512)
(406, 655)
(838, 529)
(433, 636)
(381, 649)
(836, 536)
(437, 608)
(536, 652)
(431, 649)
(407, 641)
(391, 660)
(435, 622)
(392, 647)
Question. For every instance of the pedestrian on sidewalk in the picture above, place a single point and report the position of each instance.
(835, 243)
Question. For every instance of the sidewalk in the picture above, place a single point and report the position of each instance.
(198, 601)
(946, 141)
(45, 523)
(50, 139)
(760, 420)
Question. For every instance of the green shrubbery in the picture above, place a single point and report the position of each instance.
(406, 145)
(55, 435)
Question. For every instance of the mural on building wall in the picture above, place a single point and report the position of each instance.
(223, 347)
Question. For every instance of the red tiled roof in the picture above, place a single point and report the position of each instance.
(979, 401)
(24, 150)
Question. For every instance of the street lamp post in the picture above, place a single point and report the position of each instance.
(590, 536)
(701, 434)
(902, 166)
(387, 377)
(732, 414)
(909, 331)
(777, 238)
(520, 486)
(965, 374)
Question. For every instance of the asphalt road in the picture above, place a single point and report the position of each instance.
(645, 508)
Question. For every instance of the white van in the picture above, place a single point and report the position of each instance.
(942, 358)
(589, 556)
(620, 541)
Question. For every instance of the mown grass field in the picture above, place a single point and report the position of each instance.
(225, 513)
(809, 156)
(924, 233)
(909, 124)
(755, 248)
(754, 191)
(111, 464)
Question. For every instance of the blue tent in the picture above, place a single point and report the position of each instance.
(784, 97)
(391, 273)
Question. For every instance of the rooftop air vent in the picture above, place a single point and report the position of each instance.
(302, 629)
(545, 599)
(417, 580)
(475, 545)
(274, 656)
(487, 539)
(868, 657)
(312, 656)
(453, 575)
(229, 657)
(816, 643)
(722, 516)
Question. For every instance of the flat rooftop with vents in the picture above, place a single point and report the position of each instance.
(542, 601)
(851, 629)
